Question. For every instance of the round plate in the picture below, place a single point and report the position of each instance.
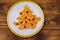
(13, 13)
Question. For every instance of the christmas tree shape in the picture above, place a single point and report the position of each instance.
(26, 19)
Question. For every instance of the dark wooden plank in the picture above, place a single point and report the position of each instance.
(42, 35)
(5, 34)
(49, 33)
(11, 1)
(4, 7)
(50, 38)
(7, 1)
(3, 26)
(3, 20)
(49, 4)
(3, 16)
(3, 23)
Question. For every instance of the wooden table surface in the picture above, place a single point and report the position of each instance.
(50, 30)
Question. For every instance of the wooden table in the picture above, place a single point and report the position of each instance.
(50, 30)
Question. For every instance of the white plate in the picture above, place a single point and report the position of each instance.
(14, 13)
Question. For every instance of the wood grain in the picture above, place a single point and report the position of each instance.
(51, 27)
(43, 35)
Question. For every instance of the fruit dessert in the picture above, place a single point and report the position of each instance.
(26, 19)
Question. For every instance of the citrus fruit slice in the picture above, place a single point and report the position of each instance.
(13, 13)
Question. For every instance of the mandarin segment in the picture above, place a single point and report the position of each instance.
(26, 19)
(16, 23)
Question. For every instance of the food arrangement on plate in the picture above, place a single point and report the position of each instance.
(25, 18)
